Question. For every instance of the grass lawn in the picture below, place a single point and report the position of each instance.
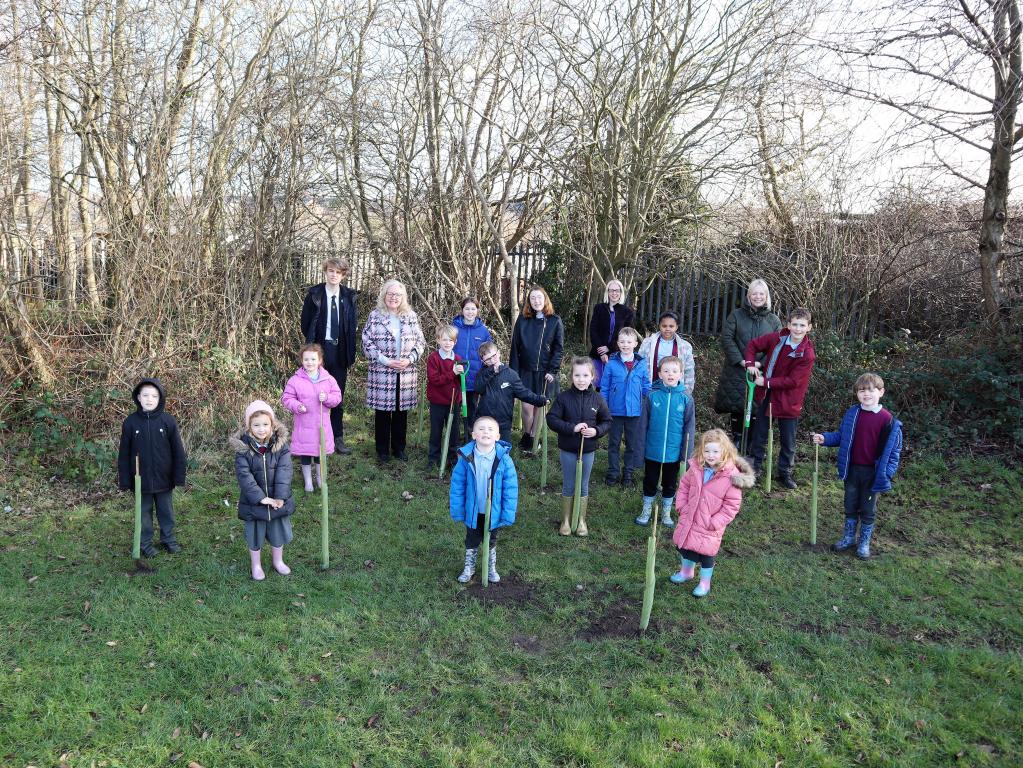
(797, 657)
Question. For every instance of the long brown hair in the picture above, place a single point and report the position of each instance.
(548, 308)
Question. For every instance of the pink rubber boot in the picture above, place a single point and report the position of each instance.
(277, 553)
(255, 556)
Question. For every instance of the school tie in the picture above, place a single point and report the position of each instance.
(335, 321)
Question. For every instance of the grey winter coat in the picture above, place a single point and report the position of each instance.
(742, 326)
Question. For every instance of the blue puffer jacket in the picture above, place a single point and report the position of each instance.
(623, 389)
(668, 421)
(462, 497)
(887, 463)
(467, 346)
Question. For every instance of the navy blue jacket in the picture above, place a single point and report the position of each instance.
(153, 437)
(314, 320)
(887, 462)
(263, 474)
(498, 391)
(667, 421)
(623, 389)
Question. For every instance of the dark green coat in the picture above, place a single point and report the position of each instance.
(741, 327)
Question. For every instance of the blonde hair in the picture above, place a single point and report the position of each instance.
(337, 262)
(719, 436)
(868, 380)
(630, 332)
(446, 331)
(621, 296)
(403, 308)
(759, 283)
(548, 308)
(491, 419)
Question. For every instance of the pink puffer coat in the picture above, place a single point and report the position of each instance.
(300, 390)
(704, 511)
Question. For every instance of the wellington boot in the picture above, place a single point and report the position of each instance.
(582, 530)
(566, 516)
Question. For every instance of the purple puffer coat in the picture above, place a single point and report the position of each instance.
(300, 390)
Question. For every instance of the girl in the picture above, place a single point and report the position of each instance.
(262, 465)
(707, 500)
(537, 347)
(609, 317)
(472, 333)
(310, 394)
(668, 343)
(579, 416)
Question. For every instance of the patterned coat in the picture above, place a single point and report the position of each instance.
(382, 383)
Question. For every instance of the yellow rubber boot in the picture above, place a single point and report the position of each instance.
(583, 503)
(566, 516)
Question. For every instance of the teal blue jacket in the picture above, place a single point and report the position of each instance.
(667, 420)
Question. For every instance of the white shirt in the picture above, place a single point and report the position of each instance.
(336, 295)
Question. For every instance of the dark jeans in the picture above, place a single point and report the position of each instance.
(786, 432)
(438, 420)
(164, 514)
(860, 501)
(337, 366)
(629, 427)
(474, 536)
(669, 478)
(390, 432)
(705, 561)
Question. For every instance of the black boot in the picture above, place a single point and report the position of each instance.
(526, 443)
(785, 480)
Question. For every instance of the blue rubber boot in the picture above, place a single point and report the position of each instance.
(648, 508)
(848, 537)
(685, 573)
(666, 504)
(863, 547)
(704, 586)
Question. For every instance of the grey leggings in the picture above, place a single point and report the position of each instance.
(568, 460)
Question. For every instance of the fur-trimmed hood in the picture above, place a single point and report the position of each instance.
(241, 441)
(744, 476)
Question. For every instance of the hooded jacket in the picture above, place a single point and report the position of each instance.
(262, 475)
(623, 389)
(153, 437)
(706, 509)
(498, 392)
(505, 495)
(887, 462)
(537, 344)
(467, 347)
(667, 420)
(574, 406)
(742, 326)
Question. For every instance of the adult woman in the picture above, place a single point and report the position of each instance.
(609, 317)
(392, 341)
(753, 318)
(471, 333)
(537, 345)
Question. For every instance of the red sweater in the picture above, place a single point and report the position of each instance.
(791, 375)
(866, 442)
(441, 379)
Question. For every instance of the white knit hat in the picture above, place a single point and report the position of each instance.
(255, 407)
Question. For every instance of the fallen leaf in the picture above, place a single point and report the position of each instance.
(33, 579)
(87, 607)
(194, 764)
(111, 643)
(297, 604)
(175, 756)
(144, 708)
(326, 655)
(920, 725)
(371, 723)
(834, 608)
(887, 681)
(176, 733)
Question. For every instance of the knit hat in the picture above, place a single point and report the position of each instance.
(255, 407)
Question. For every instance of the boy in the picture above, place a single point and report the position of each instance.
(443, 368)
(151, 436)
(667, 422)
(625, 383)
(484, 467)
(498, 386)
(780, 388)
(869, 445)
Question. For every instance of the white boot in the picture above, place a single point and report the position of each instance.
(667, 504)
(492, 575)
(470, 566)
(307, 476)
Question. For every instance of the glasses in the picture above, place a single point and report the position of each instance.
(614, 290)
(490, 358)
(393, 295)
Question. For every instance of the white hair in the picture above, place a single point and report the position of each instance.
(404, 308)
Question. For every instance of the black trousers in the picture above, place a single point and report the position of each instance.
(336, 364)
(860, 501)
(474, 536)
(705, 561)
(669, 478)
(306, 461)
(164, 514)
(735, 424)
(438, 420)
(787, 433)
(391, 430)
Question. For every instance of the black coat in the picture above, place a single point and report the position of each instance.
(314, 319)
(498, 392)
(600, 327)
(261, 475)
(573, 407)
(153, 437)
(741, 327)
(537, 344)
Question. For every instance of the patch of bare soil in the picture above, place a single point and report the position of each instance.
(511, 590)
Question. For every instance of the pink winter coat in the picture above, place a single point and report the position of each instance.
(704, 511)
(300, 390)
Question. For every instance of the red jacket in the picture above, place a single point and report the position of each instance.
(441, 379)
(790, 377)
(704, 511)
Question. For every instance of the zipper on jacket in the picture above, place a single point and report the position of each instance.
(539, 347)
(266, 482)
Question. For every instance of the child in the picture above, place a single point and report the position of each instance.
(443, 368)
(667, 422)
(484, 466)
(310, 394)
(869, 446)
(262, 464)
(708, 499)
(668, 342)
(150, 436)
(780, 388)
(625, 383)
(580, 417)
(498, 386)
